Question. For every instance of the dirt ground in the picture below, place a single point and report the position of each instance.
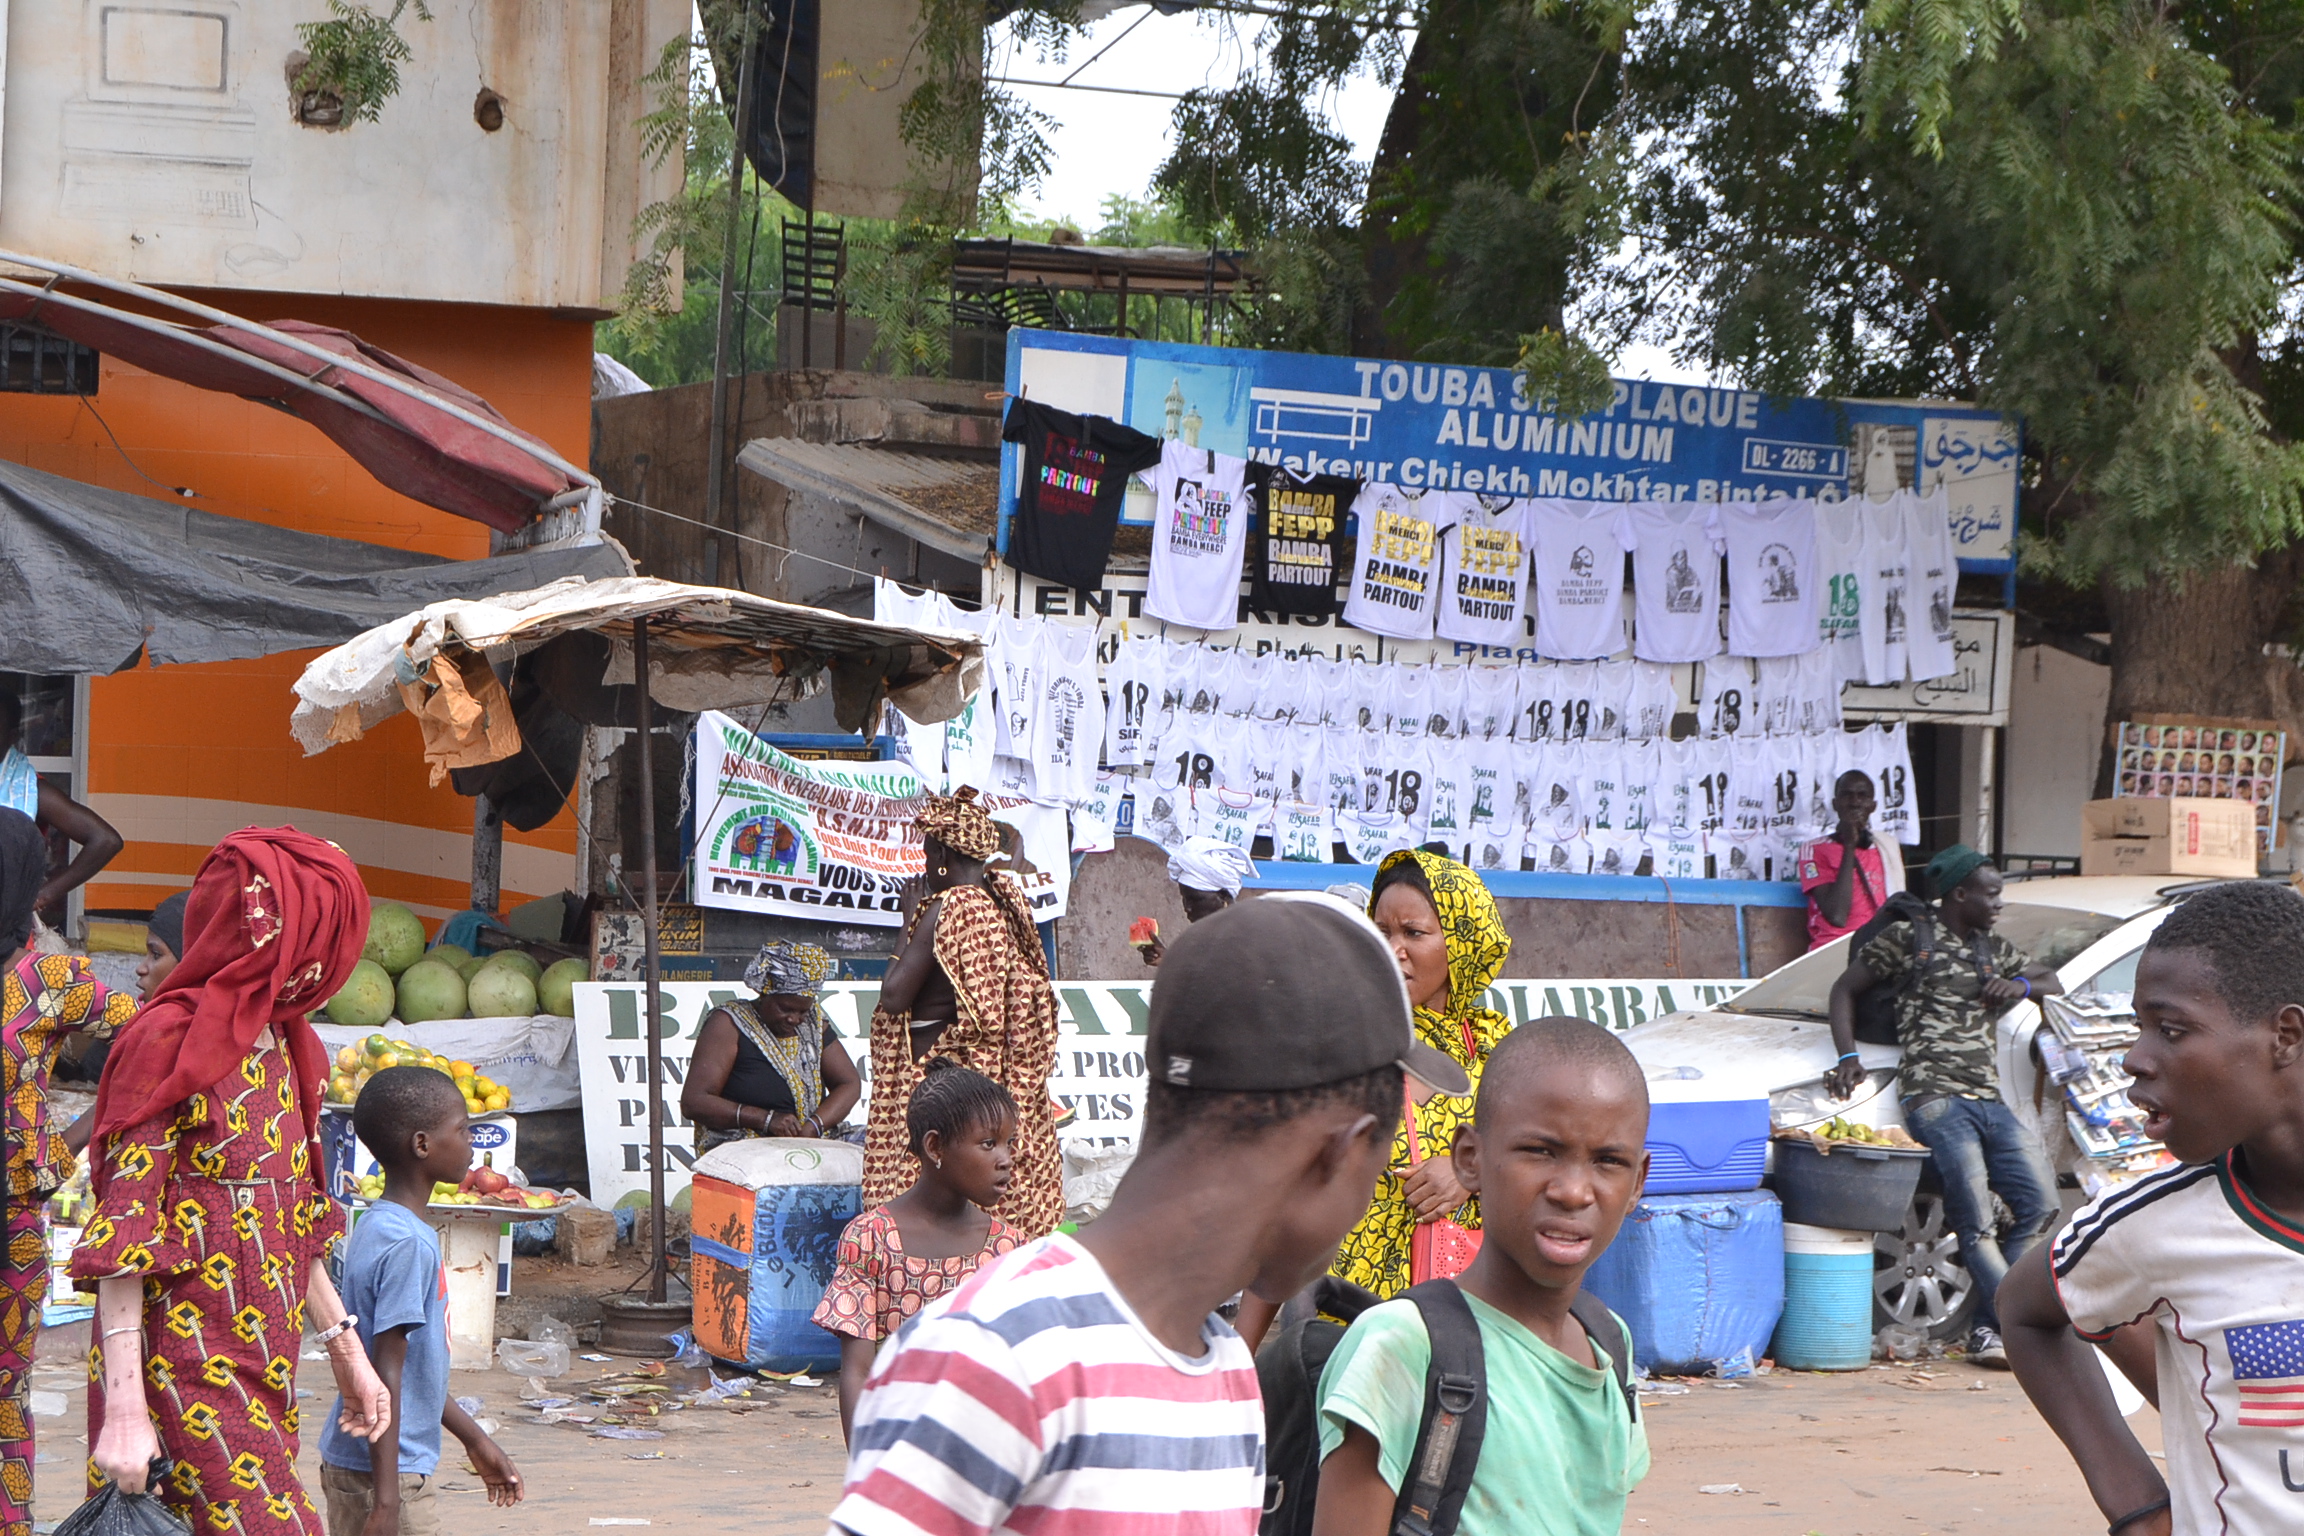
(1899, 1451)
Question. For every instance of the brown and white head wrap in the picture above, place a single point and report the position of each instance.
(960, 824)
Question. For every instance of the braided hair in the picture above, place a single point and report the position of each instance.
(952, 1099)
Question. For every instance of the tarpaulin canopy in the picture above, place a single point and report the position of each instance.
(89, 576)
(711, 648)
(419, 434)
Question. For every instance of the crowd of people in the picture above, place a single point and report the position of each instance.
(1430, 1187)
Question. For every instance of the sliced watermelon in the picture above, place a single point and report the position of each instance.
(1144, 932)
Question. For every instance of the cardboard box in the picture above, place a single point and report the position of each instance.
(2135, 835)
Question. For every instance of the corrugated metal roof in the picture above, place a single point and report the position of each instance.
(950, 505)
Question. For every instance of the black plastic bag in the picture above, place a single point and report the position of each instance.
(113, 1511)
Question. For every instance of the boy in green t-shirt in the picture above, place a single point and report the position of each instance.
(1557, 1154)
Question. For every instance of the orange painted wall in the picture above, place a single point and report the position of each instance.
(179, 756)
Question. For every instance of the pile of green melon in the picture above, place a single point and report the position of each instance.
(397, 977)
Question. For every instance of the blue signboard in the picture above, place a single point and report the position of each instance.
(1435, 425)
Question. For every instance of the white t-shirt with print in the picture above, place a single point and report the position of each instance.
(2219, 1277)
(1395, 566)
(1617, 853)
(1067, 731)
(1840, 576)
(1650, 701)
(1675, 580)
(1676, 855)
(1484, 572)
(1132, 702)
(1579, 549)
(1559, 855)
(1199, 537)
(1928, 647)
(1369, 835)
(1728, 704)
(1774, 595)
(1303, 834)
(1236, 817)
(1885, 602)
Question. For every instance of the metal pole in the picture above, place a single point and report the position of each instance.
(487, 855)
(657, 1270)
(715, 472)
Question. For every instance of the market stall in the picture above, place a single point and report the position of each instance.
(683, 647)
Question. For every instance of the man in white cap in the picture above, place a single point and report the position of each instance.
(1207, 872)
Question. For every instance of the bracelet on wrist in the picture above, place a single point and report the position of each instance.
(343, 1325)
(2027, 984)
(2135, 1515)
(1850, 1056)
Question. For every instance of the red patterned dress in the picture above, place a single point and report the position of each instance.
(43, 998)
(217, 1208)
(877, 1285)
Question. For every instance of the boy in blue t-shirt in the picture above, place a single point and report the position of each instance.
(413, 1119)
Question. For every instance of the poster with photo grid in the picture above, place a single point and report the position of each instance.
(2207, 762)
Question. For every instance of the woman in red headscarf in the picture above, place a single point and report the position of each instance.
(211, 1224)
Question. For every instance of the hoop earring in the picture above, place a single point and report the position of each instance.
(942, 870)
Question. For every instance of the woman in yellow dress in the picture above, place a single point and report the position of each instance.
(1445, 932)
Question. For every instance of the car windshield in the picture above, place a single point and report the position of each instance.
(1803, 989)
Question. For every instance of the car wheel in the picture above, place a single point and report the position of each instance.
(1918, 1280)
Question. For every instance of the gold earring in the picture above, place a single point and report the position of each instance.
(940, 869)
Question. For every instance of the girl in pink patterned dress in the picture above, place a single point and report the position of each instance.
(897, 1258)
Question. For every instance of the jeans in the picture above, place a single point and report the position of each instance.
(1981, 1150)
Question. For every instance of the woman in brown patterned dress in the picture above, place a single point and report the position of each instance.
(971, 983)
(211, 1225)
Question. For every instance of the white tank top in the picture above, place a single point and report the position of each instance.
(1751, 786)
(1774, 596)
(1709, 759)
(1726, 706)
(1395, 563)
(1536, 702)
(1068, 728)
(1340, 767)
(1015, 649)
(1885, 616)
(1407, 774)
(1651, 702)
(1199, 538)
(1776, 694)
(1444, 720)
(1286, 685)
(1576, 701)
(1677, 797)
(1132, 698)
(1840, 569)
(1617, 853)
(1371, 705)
(1675, 580)
(1637, 774)
(1235, 817)
(1676, 855)
(1569, 855)
(1491, 696)
(1370, 835)
(1935, 578)
(1248, 677)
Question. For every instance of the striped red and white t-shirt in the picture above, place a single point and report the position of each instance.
(2220, 1276)
(1033, 1400)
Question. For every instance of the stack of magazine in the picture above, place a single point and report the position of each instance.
(2083, 1050)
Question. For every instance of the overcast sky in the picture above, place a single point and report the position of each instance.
(1110, 144)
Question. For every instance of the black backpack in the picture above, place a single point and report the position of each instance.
(1288, 1370)
(1876, 1006)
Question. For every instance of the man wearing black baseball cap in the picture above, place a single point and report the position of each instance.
(1278, 1036)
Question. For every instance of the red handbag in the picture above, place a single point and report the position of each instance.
(1438, 1250)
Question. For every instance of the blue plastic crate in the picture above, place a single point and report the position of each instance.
(1707, 1148)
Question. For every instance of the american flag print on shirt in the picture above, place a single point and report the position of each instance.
(2268, 1369)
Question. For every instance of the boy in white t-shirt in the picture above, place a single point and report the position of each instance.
(1088, 1381)
(2208, 1257)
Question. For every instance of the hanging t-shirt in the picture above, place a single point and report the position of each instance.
(920, 745)
(1132, 689)
(1395, 567)
(1484, 572)
(1650, 702)
(1611, 696)
(1676, 855)
(1012, 650)
(1369, 835)
(1444, 719)
(1075, 474)
(1248, 678)
(1552, 783)
(1675, 580)
(1447, 783)
(968, 735)
(1486, 799)
(1197, 673)
(1726, 706)
(1230, 749)
(1709, 760)
(1491, 696)
(1330, 696)
(1199, 537)
(1600, 786)
(1578, 711)
(1677, 798)
(1776, 694)
(1737, 856)
(1096, 820)
(1885, 599)
(1370, 694)
(1536, 701)
(1935, 570)
(1283, 688)
(1340, 768)
(1164, 814)
(1296, 546)
(1408, 703)
(1304, 763)
(1840, 572)
(1232, 817)
(1774, 596)
(1898, 815)
(1569, 855)
(1579, 549)
(1265, 762)
(1406, 778)
(1068, 728)
(1617, 853)
(1640, 773)
(1751, 787)
(1786, 826)
(1303, 834)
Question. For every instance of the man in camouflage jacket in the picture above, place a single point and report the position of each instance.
(1949, 990)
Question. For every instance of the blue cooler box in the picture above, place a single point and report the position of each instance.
(1699, 1278)
(1704, 1147)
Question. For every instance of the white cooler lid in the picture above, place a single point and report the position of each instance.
(766, 1161)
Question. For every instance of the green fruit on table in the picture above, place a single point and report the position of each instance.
(395, 937)
(501, 991)
(521, 961)
(556, 992)
(366, 999)
(430, 990)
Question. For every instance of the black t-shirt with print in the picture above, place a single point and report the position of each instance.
(1076, 471)
(1296, 540)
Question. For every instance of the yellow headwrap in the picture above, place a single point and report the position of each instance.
(1477, 942)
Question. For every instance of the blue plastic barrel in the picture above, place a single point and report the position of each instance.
(1699, 1278)
(1827, 1322)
